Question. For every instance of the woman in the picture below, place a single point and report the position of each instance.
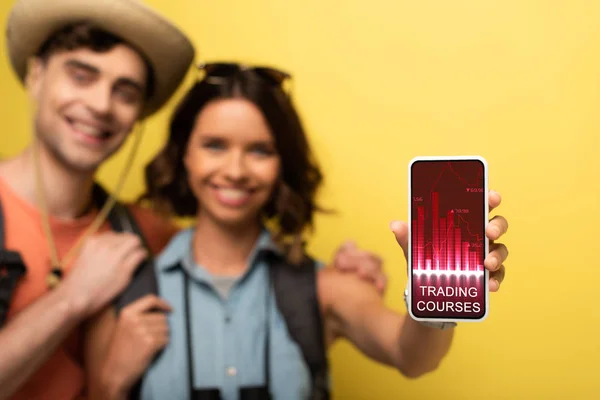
(239, 161)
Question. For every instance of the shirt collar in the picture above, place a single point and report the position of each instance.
(179, 251)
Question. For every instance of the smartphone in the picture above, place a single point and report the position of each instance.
(448, 214)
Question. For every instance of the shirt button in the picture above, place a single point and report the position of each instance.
(231, 371)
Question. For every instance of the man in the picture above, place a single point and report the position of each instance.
(93, 69)
(89, 87)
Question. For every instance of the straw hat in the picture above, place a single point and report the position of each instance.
(169, 51)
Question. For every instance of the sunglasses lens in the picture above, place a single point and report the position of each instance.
(271, 75)
(221, 70)
(226, 70)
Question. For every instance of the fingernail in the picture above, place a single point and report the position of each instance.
(394, 226)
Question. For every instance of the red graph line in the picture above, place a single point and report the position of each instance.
(436, 251)
(468, 226)
(460, 178)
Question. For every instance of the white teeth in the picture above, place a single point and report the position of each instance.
(88, 130)
(233, 194)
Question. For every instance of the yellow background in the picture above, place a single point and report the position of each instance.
(380, 81)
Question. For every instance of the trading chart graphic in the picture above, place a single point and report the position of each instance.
(448, 217)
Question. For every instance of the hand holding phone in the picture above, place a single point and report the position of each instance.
(447, 244)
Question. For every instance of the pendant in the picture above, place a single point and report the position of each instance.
(54, 277)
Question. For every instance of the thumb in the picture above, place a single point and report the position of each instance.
(400, 230)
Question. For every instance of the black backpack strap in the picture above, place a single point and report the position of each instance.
(144, 279)
(12, 268)
(296, 295)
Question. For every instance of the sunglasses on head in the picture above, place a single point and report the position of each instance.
(217, 72)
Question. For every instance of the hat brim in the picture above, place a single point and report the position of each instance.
(169, 51)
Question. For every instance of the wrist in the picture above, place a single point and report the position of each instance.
(73, 306)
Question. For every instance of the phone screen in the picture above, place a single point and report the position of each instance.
(447, 239)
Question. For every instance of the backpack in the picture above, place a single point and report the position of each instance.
(301, 312)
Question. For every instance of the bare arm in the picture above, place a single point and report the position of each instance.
(119, 349)
(98, 335)
(31, 338)
(358, 313)
(353, 309)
